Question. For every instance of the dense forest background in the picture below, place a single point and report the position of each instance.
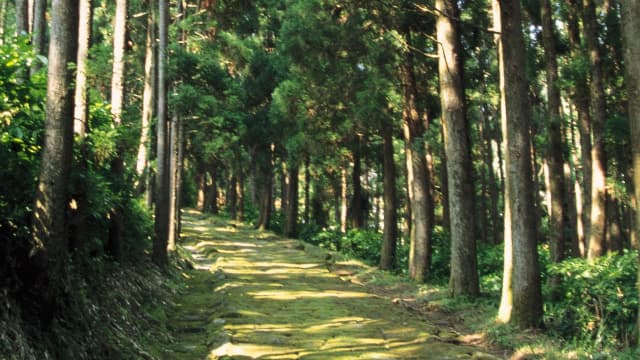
(487, 145)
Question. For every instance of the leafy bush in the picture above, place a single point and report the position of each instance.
(597, 303)
(358, 243)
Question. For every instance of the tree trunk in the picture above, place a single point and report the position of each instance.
(581, 100)
(231, 199)
(307, 188)
(211, 192)
(79, 227)
(3, 17)
(265, 188)
(291, 206)
(174, 169)
(597, 226)
(344, 200)
(417, 176)
(39, 30)
(358, 207)
(390, 231)
(464, 270)
(22, 17)
(521, 301)
(116, 220)
(239, 195)
(162, 218)
(631, 42)
(142, 160)
(554, 148)
(49, 223)
(201, 187)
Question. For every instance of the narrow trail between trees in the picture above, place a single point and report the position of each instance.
(253, 295)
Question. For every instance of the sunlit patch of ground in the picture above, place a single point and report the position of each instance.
(254, 295)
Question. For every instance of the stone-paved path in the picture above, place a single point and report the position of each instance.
(252, 295)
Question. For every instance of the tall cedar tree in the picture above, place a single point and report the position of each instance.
(162, 216)
(116, 219)
(554, 148)
(464, 274)
(49, 221)
(521, 301)
(631, 41)
(417, 171)
(597, 226)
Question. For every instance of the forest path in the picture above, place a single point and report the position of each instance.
(253, 295)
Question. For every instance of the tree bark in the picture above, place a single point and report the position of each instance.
(174, 186)
(358, 208)
(3, 17)
(142, 159)
(79, 227)
(631, 43)
(417, 176)
(291, 206)
(390, 231)
(307, 188)
(344, 200)
(49, 223)
(39, 31)
(521, 301)
(581, 101)
(554, 154)
(22, 17)
(116, 220)
(265, 188)
(597, 226)
(201, 187)
(159, 255)
(463, 280)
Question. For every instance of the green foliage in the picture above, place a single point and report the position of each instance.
(361, 244)
(21, 120)
(598, 302)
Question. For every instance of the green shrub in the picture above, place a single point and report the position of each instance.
(596, 303)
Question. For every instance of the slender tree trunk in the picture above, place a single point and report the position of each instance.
(162, 218)
(417, 176)
(49, 223)
(3, 17)
(79, 227)
(521, 301)
(344, 200)
(201, 187)
(581, 100)
(390, 231)
(631, 42)
(211, 192)
(357, 199)
(291, 206)
(265, 189)
(464, 271)
(239, 195)
(597, 227)
(444, 181)
(39, 30)
(116, 219)
(174, 169)
(307, 188)
(231, 198)
(555, 149)
(142, 160)
(22, 17)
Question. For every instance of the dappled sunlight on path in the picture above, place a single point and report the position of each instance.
(255, 295)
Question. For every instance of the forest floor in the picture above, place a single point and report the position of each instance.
(252, 294)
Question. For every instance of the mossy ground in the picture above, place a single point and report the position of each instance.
(252, 294)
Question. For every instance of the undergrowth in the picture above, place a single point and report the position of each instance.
(111, 312)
